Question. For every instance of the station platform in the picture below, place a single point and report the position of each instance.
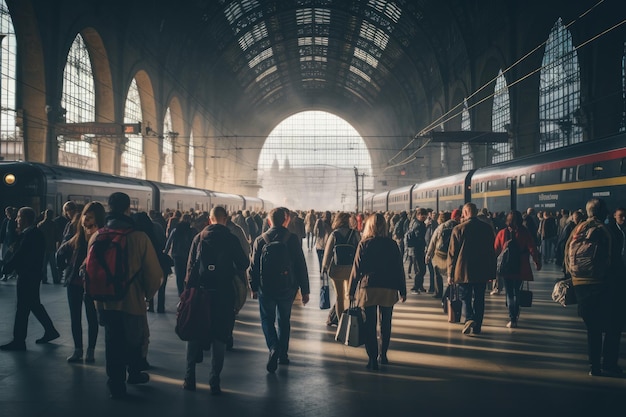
(538, 369)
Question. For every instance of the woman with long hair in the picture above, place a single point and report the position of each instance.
(342, 234)
(378, 275)
(70, 256)
(513, 282)
(322, 229)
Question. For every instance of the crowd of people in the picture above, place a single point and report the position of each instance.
(367, 257)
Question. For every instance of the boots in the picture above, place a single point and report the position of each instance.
(77, 356)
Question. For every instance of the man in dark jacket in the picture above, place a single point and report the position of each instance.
(231, 257)
(177, 247)
(416, 246)
(471, 263)
(277, 304)
(27, 260)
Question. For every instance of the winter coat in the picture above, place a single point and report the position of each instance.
(526, 244)
(437, 259)
(471, 257)
(143, 263)
(223, 292)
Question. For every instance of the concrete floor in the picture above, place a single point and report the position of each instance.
(538, 369)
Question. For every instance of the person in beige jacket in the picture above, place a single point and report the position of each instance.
(124, 320)
(339, 274)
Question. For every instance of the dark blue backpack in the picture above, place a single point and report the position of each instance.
(275, 267)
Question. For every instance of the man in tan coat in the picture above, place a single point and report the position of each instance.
(124, 320)
(471, 263)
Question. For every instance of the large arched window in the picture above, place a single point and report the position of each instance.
(167, 173)
(466, 150)
(11, 140)
(79, 103)
(500, 118)
(309, 160)
(559, 92)
(132, 157)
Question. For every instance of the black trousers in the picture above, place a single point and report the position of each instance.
(124, 336)
(28, 301)
(76, 297)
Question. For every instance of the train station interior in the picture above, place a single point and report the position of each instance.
(316, 104)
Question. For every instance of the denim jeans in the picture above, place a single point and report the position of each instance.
(512, 287)
(273, 310)
(473, 302)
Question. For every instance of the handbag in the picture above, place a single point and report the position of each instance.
(563, 293)
(525, 296)
(453, 303)
(193, 314)
(325, 293)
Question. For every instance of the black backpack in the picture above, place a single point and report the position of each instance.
(344, 250)
(275, 267)
(509, 260)
(215, 265)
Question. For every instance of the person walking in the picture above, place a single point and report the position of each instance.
(277, 270)
(177, 247)
(341, 236)
(590, 260)
(437, 251)
(416, 247)
(123, 348)
(69, 258)
(516, 231)
(48, 227)
(309, 225)
(377, 282)
(471, 263)
(322, 229)
(215, 245)
(27, 260)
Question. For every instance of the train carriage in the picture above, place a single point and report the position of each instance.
(379, 202)
(400, 199)
(447, 193)
(561, 178)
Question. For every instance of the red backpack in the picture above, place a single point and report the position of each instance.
(107, 275)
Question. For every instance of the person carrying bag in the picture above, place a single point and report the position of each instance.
(377, 282)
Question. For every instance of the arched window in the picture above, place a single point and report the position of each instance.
(11, 139)
(308, 161)
(167, 173)
(500, 118)
(78, 100)
(559, 92)
(191, 181)
(623, 125)
(132, 157)
(466, 150)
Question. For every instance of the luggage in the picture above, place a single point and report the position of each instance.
(351, 328)
(325, 293)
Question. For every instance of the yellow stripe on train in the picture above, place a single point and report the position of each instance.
(566, 186)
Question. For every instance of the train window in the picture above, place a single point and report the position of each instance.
(522, 180)
(580, 172)
(179, 205)
(563, 174)
(622, 169)
(533, 178)
(79, 199)
(597, 169)
(508, 182)
(134, 204)
(482, 187)
(570, 176)
(488, 186)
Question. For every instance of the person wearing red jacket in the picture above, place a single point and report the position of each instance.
(513, 283)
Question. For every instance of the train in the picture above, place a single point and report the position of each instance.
(42, 186)
(563, 178)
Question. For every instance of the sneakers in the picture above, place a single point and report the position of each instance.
(495, 292)
(138, 378)
(272, 362)
(48, 336)
(14, 346)
(283, 360)
(511, 325)
(415, 290)
(469, 325)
